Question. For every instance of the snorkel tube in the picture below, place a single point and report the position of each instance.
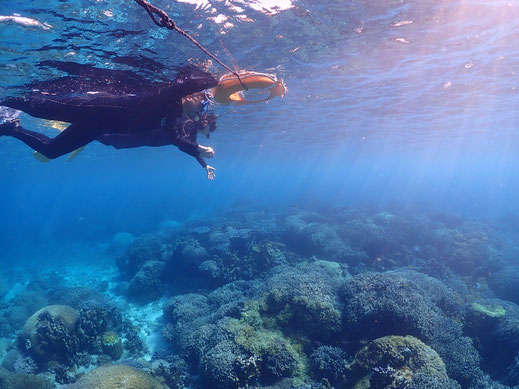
(229, 87)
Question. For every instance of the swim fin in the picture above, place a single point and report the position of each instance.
(74, 154)
(42, 158)
(60, 126)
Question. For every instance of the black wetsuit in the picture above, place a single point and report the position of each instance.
(114, 111)
(183, 135)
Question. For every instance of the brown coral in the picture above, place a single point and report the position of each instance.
(51, 331)
(116, 377)
(393, 362)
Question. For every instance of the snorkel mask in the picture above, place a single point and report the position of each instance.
(204, 108)
(206, 115)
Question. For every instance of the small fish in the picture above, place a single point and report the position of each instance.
(401, 23)
(27, 22)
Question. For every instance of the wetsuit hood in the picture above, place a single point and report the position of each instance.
(191, 80)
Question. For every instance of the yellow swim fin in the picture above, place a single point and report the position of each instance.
(74, 154)
(40, 157)
(60, 126)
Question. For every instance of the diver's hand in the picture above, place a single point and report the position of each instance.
(205, 152)
(210, 172)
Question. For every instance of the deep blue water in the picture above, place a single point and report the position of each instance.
(407, 107)
(419, 113)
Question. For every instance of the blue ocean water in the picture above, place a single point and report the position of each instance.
(394, 148)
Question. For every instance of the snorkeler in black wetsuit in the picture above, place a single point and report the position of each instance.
(120, 113)
(183, 134)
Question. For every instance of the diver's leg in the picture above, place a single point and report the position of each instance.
(69, 140)
(120, 141)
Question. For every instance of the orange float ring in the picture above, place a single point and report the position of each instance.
(229, 87)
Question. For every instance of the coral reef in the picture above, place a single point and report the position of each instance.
(116, 376)
(4, 286)
(331, 363)
(50, 334)
(143, 248)
(312, 234)
(45, 282)
(505, 283)
(298, 302)
(25, 365)
(491, 310)
(239, 325)
(304, 298)
(22, 306)
(10, 358)
(10, 380)
(120, 243)
(187, 254)
(411, 303)
(95, 318)
(173, 370)
(398, 362)
(112, 345)
(146, 285)
(133, 342)
(494, 325)
(328, 298)
(79, 297)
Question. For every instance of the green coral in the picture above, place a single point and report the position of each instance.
(251, 332)
(397, 360)
(110, 338)
(112, 345)
(298, 310)
(303, 300)
(251, 315)
(494, 310)
(401, 351)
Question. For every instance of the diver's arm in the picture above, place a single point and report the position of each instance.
(193, 148)
(201, 161)
(197, 151)
(187, 146)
